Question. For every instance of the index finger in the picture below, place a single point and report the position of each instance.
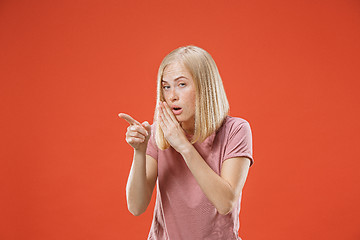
(129, 119)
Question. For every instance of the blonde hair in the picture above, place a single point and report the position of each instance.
(211, 106)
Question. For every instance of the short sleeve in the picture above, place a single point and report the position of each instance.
(152, 148)
(239, 142)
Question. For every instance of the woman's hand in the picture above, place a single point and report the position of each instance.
(138, 134)
(173, 132)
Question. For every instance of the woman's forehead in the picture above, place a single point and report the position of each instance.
(174, 71)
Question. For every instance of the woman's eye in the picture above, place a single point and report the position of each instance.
(166, 87)
(182, 84)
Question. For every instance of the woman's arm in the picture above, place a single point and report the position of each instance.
(141, 182)
(224, 190)
(143, 173)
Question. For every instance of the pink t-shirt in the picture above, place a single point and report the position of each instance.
(182, 210)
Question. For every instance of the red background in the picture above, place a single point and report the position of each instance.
(67, 68)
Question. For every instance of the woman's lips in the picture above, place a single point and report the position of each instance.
(177, 112)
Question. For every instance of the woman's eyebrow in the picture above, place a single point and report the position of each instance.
(176, 79)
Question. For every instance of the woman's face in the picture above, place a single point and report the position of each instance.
(179, 91)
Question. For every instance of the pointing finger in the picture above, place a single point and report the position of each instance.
(129, 119)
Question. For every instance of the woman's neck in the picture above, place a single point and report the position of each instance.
(188, 128)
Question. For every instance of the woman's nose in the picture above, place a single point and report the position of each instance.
(173, 95)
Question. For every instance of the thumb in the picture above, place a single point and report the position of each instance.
(147, 126)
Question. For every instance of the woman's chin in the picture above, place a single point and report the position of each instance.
(179, 118)
(185, 121)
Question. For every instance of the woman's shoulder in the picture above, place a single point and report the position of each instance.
(234, 129)
(234, 121)
(234, 125)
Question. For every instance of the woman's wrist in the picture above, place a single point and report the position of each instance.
(186, 149)
(140, 151)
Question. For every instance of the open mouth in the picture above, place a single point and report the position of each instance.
(177, 110)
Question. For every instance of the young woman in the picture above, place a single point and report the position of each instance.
(198, 155)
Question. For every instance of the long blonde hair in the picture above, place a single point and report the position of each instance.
(212, 105)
